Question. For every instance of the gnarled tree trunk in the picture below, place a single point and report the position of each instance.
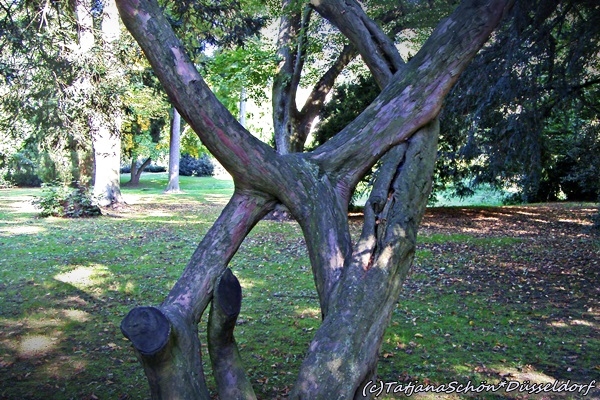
(357, 285)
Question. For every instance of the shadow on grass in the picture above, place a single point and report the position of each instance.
(60, 342)
(495, 294)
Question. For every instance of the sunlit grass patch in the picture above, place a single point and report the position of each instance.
(475, 306)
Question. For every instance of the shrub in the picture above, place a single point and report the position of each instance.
(192, 166)
(155, 168)
(22, 171)
(69, 202)
(126, 169)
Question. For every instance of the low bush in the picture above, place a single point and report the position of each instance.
(21, 171)
(155, 168)
(65, 201)
(126, 169)
(192, 166)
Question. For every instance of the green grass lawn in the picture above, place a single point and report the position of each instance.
(65, 285)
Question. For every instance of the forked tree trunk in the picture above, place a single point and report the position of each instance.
(362, 302)
(136, 172)
(357, 285)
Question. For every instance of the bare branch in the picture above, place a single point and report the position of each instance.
(376, 48)
(315, 101)
(193, 290)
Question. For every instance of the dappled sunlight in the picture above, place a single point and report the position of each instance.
(36, 345)
(159, 213)
(519, 221)
(18, 204)
(131, 198)
(65, 367)
(574, 322)
(84, 277)
(22, 230)
(42, 323)
(529, 214)
(76, 315)
(308, 312)
(584, 323)
(246, 283)
(20, 227)
(217, 199)
(527, 373)
(496, 373)
(558, 324)
(129, 287)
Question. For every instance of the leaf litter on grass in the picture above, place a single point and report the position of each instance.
(521, 309)
(495, 293)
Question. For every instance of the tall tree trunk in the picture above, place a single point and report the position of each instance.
(174, 153)
(104, 125)
(357, 285)
(362, 302)
(107, 161)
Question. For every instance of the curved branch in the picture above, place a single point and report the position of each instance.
(315, 101)
(376, 48)
(227, 140)
(194, 289)
(415, 96)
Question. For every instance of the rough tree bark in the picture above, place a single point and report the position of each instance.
(357, 285)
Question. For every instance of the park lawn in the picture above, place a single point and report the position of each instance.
(496, 293)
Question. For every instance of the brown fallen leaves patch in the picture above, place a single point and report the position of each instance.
(549, 220)
(556, 257)
(551, 269)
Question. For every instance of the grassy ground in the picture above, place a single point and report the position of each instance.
(495, 294)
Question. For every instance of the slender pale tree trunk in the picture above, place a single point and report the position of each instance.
(174, 153)
(106, 126)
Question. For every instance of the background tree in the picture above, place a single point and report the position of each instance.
(144, 120)
(36, 110)
(357, 283)
(174, 152)
(63, 76)
(525, 114)
(541, 150)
